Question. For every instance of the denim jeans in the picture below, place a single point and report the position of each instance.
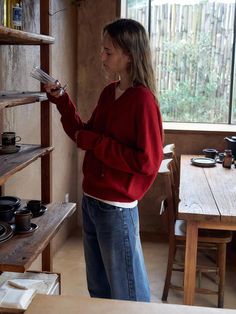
(114, 260)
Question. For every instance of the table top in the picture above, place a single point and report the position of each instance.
(207, 193)
(18, 253)
(61, 304)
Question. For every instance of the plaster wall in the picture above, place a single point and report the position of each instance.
(92, 16)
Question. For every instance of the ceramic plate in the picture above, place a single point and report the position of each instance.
(6, 231)
(9, 150)
(32, 229)
(203, 162)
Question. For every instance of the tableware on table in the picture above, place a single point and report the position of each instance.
(228, 159)
(45, 78)
(210, 152)
(10, 200)
(231, 144)
(23, 220)
(32, 228)
(9, 139)
(6, 213)
(220, 157)
(203, 162)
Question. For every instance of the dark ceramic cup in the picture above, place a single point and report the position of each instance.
(34, 205)
(23, 220)
(221, 157)
(210, 153)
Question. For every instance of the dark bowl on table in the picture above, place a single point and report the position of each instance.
(6, 213)
(210, 153)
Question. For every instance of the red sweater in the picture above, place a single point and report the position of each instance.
(122, 139)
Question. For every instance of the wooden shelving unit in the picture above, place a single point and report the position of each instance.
(9, 36)
(18, 253)
(10, 99)
(12, 163)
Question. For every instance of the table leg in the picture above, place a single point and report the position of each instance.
(190, 262)
(47, 258)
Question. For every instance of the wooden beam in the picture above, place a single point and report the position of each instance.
(46, 114)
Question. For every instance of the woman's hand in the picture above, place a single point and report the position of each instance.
(54, 89)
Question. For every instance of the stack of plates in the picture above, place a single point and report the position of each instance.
(10, 200)
(6, 231)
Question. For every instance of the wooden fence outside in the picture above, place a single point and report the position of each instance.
(192, 43)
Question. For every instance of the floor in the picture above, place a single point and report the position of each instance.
(69, 261)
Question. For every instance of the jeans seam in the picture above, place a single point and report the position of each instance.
(129, 268)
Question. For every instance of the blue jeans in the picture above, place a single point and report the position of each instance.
(114, 260)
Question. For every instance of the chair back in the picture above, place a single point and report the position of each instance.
(167, 195)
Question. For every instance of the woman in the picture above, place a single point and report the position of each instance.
(123, 144)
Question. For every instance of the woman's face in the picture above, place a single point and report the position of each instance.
(113, 59)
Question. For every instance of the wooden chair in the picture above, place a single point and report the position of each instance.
(207, 239)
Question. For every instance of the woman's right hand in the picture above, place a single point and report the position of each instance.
(54, 89)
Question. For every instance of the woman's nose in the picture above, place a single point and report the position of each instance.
(103, 56)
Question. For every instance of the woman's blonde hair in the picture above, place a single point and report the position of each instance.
(130, 36)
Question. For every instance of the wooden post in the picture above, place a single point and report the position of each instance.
(46, 115)
(46, 133)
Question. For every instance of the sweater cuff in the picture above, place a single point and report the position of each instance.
(58, 100)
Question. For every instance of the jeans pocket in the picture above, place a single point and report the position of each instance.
(104, 207)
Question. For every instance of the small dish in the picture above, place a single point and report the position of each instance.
(203, 162)
(9, 150)
(31, 230)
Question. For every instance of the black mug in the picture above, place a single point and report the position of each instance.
(34, 205)
(9, 139)
(23, 220)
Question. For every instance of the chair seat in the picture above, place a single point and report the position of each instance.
(204, 235)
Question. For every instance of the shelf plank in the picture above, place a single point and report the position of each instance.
(9, 36)
(18, 253)
(12, 163)
(13, 98)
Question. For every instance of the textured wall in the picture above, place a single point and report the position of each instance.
(92, 16)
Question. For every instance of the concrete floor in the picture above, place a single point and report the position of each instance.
(69, 261)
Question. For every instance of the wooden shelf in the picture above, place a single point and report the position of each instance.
(18, 253)
(9, 36)
(14, 98)
(11, 163)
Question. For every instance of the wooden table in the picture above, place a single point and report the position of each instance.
(18, 253)
(207, 200)
(85, 305)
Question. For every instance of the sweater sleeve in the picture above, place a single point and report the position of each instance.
(70, 118)
(144, 158)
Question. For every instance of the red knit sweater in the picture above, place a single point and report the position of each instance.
(122, 139)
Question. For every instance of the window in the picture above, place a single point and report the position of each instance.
(194, 52)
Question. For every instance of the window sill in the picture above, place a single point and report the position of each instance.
(178, 127)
